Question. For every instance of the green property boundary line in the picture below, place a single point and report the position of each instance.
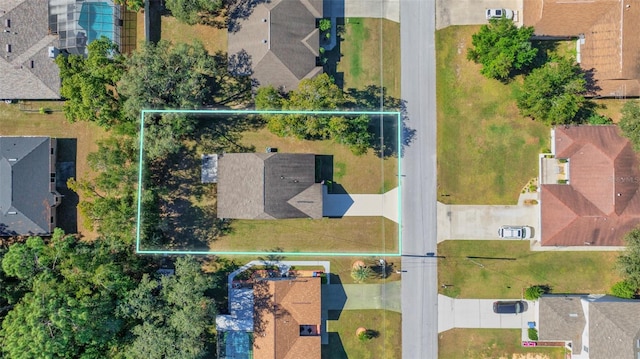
(258, 112)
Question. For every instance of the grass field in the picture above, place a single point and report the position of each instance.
(326, 235)
(344, 344)
(486, 151)
(212, 38)
(611, 108)
(490, 343)
(371, 54)
(14, 122)
(509, 266)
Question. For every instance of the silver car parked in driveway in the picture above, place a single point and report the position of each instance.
(514, 232)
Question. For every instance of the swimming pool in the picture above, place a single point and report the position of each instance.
(96, 18)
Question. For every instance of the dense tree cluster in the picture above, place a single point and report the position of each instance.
(195, 11)
(502, 48)
(317, 94)
(554, 93)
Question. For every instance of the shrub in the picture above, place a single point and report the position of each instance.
(596, 119)
(45, 110)
(533, 333)
(324, 24)
(623, 289)
(361, 274)
(321, 50)
(534, 292)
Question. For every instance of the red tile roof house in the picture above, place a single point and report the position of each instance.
(606, 33)
(589, 188)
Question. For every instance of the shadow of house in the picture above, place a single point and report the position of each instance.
(280, 37)
(28, 196)
(67, 212)
(268, 186)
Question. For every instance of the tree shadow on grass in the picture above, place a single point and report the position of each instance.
(384, 128)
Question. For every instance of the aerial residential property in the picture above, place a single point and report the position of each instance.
(596, 200)
(281, 41)
(28, 197)
(34, 32)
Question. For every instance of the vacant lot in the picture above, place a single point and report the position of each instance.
(501, 269)
(490, 343)
(344, 344)
(486, 151)
(29, 122)
(371, 54)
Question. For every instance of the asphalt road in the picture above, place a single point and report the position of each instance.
(419, 282)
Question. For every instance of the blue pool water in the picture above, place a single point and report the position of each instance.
(97, 20)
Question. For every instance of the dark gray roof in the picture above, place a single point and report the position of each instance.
(29, 39)
(268, 186)
(282, 41)
(614, 328)
(561, 318)
(27, 195)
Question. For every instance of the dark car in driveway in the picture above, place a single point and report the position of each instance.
(509, 307)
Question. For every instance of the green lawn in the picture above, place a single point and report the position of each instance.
(490, 343)
(486, 151)
(371, 54)
(343, 342)
(327, 235)
(212, 38)
(515, 267)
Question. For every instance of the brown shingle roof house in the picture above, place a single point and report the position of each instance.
(281, 39)
(607, 38)
(287, 319)
(600, 201)
(596, 326)
(268, 186)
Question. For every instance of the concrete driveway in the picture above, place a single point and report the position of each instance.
(478, 313)
(472, 12)
(482, 222)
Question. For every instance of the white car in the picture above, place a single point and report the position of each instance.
(514, 232)
(499, 13)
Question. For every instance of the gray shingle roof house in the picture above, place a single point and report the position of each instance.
(268, 186)
(282, 41)
(28, 194)
(597, 326)
(27, 70)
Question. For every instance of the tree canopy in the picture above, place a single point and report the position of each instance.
(89, 84)
(170, 316)
(630, 122)
(554, 93)
(629, 261)
(73, 288)
(502, 48)
(318, 93)
(195, 11)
